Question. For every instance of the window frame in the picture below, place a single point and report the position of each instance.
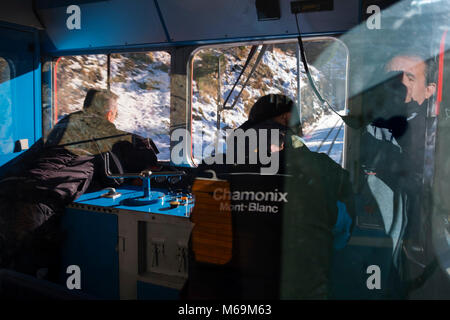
(190, 74)
(52, 81)
(11, 76)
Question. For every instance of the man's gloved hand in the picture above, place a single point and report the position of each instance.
(384, 103)
(342, 229)
(397, 125)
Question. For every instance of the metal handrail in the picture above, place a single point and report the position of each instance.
(145, 175)
(141, 175)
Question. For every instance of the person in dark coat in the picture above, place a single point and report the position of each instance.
(37, 186)
(416, 260)
(394, 148)
(282, 224)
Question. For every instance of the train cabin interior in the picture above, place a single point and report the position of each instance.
(186, 73)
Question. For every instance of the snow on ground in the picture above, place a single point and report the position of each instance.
(142, 111)
(329, 127)
(284, 81)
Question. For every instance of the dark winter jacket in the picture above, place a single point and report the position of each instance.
(85, 133)
(282, 230)
(61, 169)
(52, 174)
(315, 185)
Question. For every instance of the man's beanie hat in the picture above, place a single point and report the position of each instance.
(270, 106)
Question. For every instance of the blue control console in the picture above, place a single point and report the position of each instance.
(175, 203)
(129, 243)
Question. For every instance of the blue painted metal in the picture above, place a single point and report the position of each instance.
(162, 21)
(348, 274)
(167, 46)
(17, 27)
(147, 188)
(348, 277)
(159, 207)
(91, 240)
(118, 24)
(341, 230)
(37, 73)
(148, 198)
(47, 95)
(148, 291)
(205, 19)
(103, 23)
(90, 243)
(360, 6)
(21, 115)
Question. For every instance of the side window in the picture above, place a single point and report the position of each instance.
(75, 75)
(275, 70)
(6, 114)
(323, 129)
(215, 71)
(140, 80)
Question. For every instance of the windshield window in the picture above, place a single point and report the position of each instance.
(141, 83)
(219, 100)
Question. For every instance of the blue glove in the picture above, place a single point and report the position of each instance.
(341, 230)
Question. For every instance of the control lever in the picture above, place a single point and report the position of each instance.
(145, 175)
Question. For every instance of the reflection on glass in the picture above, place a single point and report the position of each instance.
(272, 69)
(141, 81)
(401, 135)
(6, 116)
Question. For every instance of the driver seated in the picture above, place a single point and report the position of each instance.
(36, 187)
(283, 224)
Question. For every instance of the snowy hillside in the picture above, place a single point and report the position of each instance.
(276, 73)
(144, 99)
(141, 80)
